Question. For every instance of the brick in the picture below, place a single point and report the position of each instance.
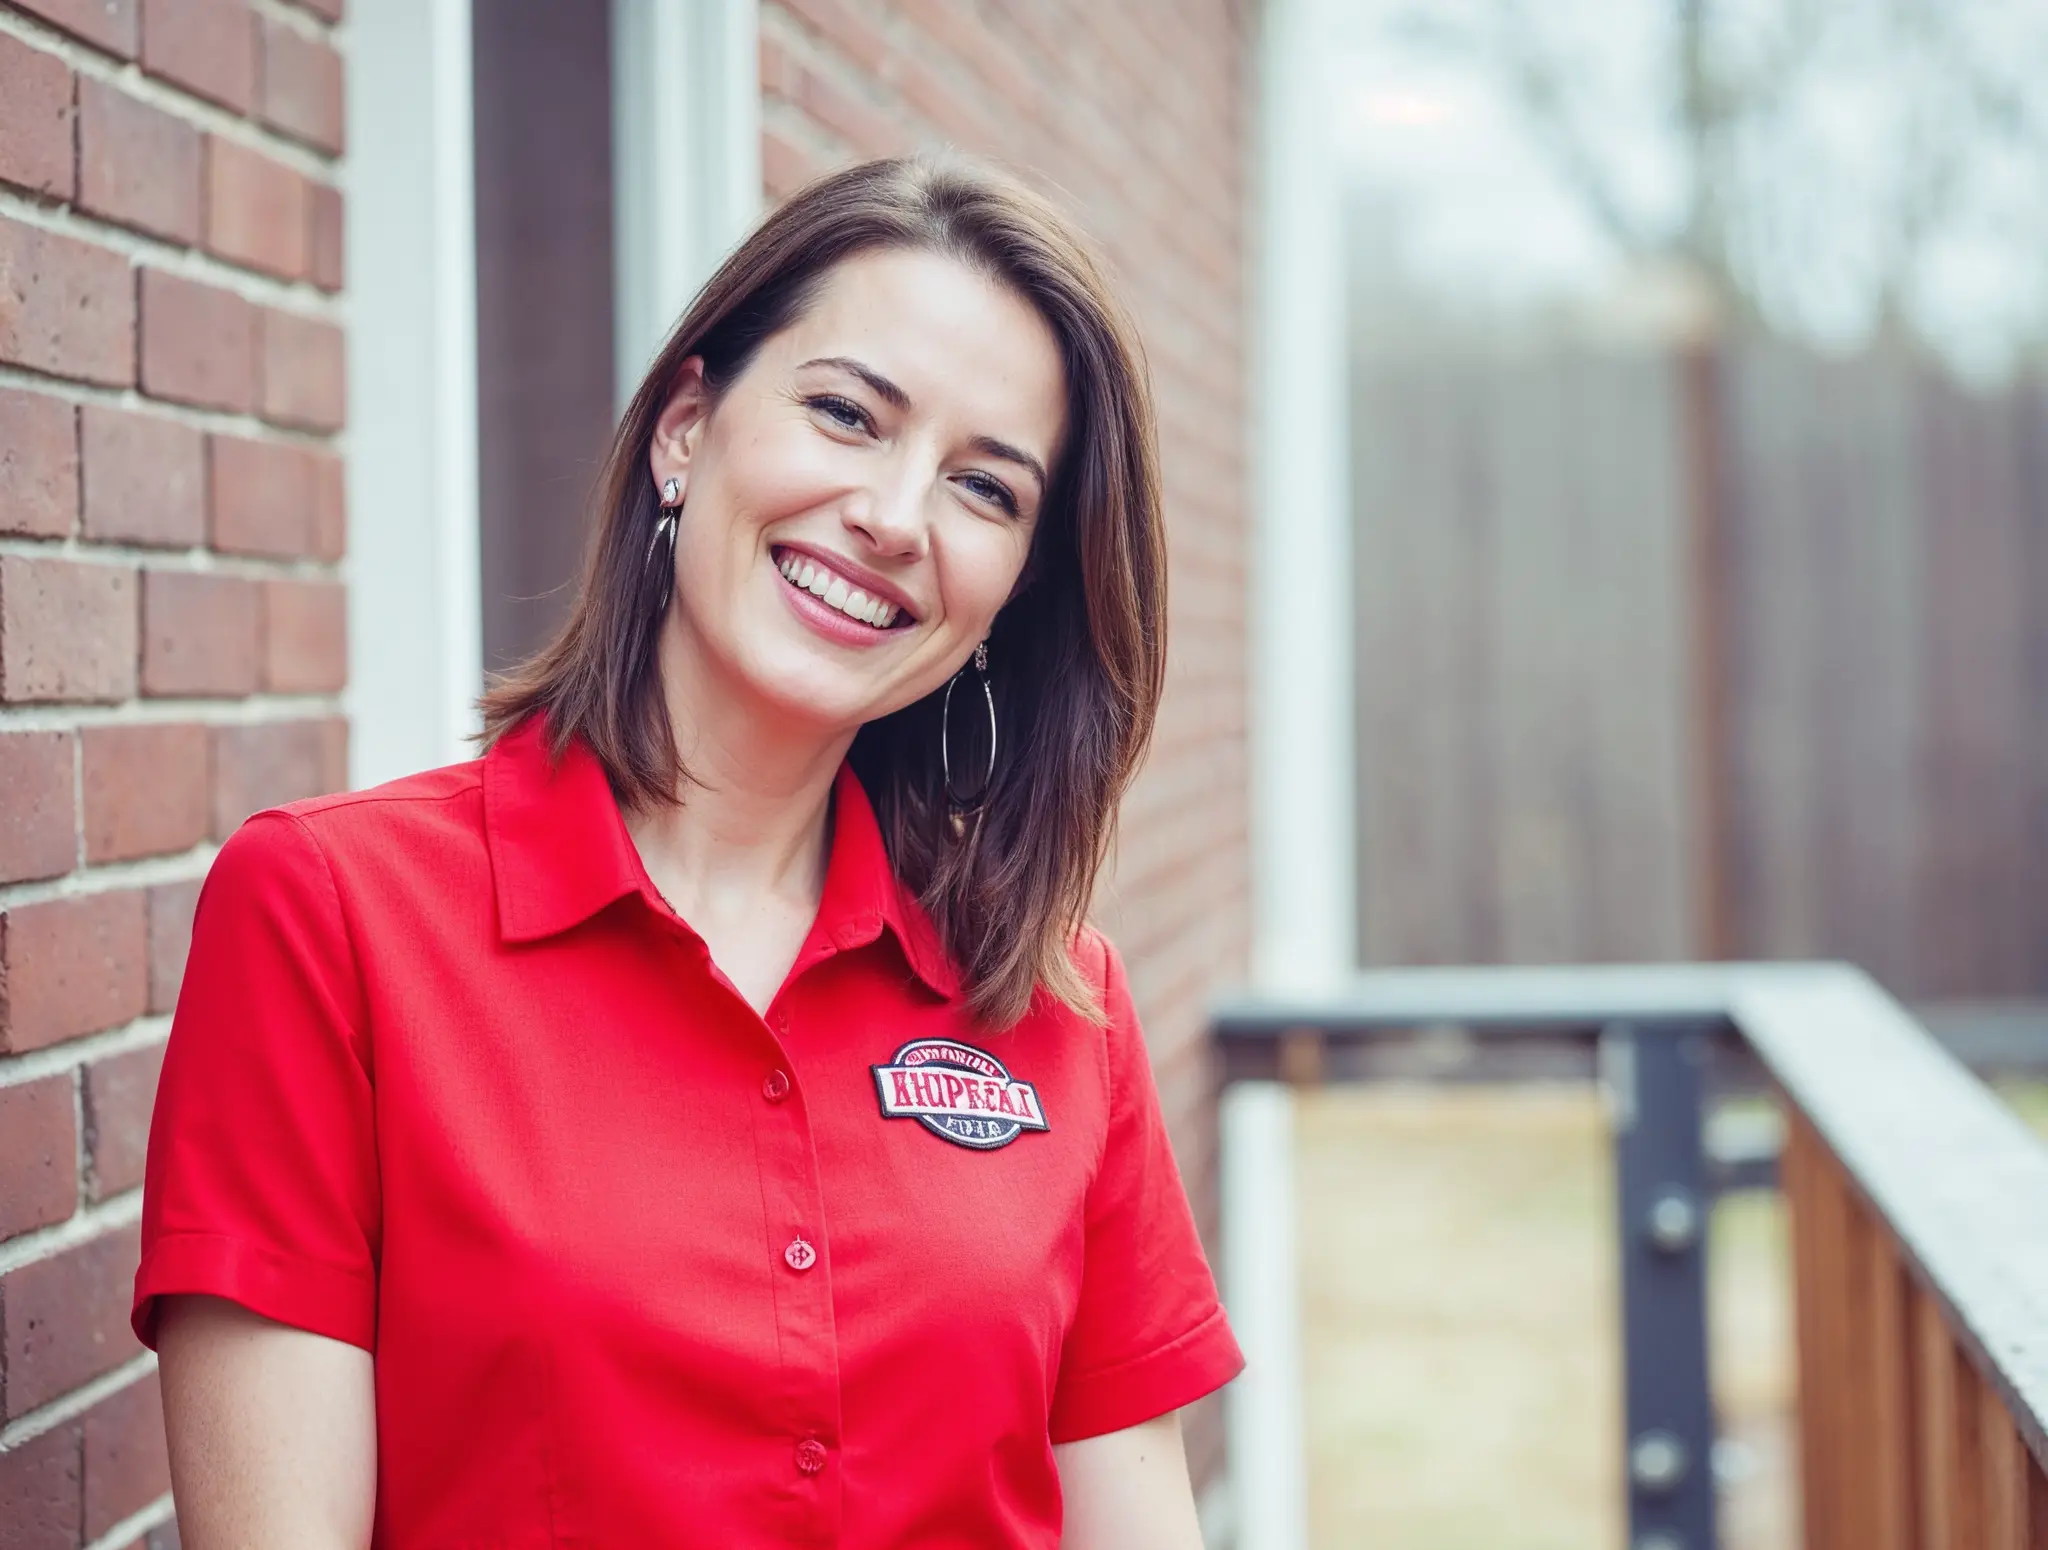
(145, 789)
(106, 24)
(257, 209)
(42, 1490)
(268, 764)
(846, 29)
(302, 87)
(38, 1154)
(35, 120)
(205, 46)
(324, 253)
(330, 507)
(304, 372)
(39, 819)
(200, 633)
(126, 1466)
(869, 129)
(170, 937)
(66, 307)
(786, 166)
(38, 464)
(145, 478)
(945, 105)
(262, 497)
(198, 343)
(120, 1093)
(777, 68)
(305, 637)
(71, 967)
(67, 1319)
(957, 30)
(137, 165)
(67, 630)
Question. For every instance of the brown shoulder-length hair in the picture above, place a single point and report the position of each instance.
(1076, 657)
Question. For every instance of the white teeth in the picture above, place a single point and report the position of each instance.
(833, 590)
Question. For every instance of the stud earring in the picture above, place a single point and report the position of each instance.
(669, 490)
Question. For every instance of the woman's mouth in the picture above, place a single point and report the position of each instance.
(836, 593)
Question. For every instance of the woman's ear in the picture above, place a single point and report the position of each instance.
(678, 427)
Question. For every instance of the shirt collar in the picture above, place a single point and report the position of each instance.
(560, 853)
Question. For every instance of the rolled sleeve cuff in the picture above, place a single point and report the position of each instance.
(322, 1299)
(1130, 1392)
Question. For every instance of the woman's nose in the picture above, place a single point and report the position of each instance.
(892, 516)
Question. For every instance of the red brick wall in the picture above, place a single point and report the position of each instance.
(1138, 115)
(171, 633)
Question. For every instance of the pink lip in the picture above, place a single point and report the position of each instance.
(856, 575)
(827, 621)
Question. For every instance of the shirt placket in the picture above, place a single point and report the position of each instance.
(799, 1245)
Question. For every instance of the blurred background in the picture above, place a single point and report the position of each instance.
(1700, 487)
(1606, 463)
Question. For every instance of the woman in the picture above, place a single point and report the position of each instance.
(705, 1119)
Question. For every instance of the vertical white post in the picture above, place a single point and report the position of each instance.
(1304, 785)
(1304, 855)
(686, 159)
(415, 641)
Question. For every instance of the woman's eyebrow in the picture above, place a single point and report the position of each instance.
(887, 391)
(1010, 454)
(897, 399)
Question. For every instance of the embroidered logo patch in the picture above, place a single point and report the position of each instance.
(959, 1092)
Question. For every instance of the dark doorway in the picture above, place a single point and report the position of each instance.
(544, 304)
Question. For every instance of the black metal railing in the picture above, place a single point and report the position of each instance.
(1667, 1043)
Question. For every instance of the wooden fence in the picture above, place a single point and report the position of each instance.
(1737, 654)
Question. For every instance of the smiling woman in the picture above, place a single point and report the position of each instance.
(939, 337)
(742, 883)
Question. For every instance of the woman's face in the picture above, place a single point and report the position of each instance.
(859, 502)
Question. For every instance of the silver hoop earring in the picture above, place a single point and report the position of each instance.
(664, 539)
(972, 802)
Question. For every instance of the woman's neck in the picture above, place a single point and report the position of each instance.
(749, 833)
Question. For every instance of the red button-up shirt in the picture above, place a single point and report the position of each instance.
(639, 1265)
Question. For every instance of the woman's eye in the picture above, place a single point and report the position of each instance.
(844, 410)
(992, 490)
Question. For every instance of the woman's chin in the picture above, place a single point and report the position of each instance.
(824, 704)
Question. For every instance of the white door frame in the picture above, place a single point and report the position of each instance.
(415, 637)
(686, 160)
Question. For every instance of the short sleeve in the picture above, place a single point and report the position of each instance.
(1149, 1334)
(261, 1182)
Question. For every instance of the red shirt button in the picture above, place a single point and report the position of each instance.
(776, 1087)
(810, 1455)
(800, 1255)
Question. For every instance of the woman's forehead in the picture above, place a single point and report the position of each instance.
(955, 340)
